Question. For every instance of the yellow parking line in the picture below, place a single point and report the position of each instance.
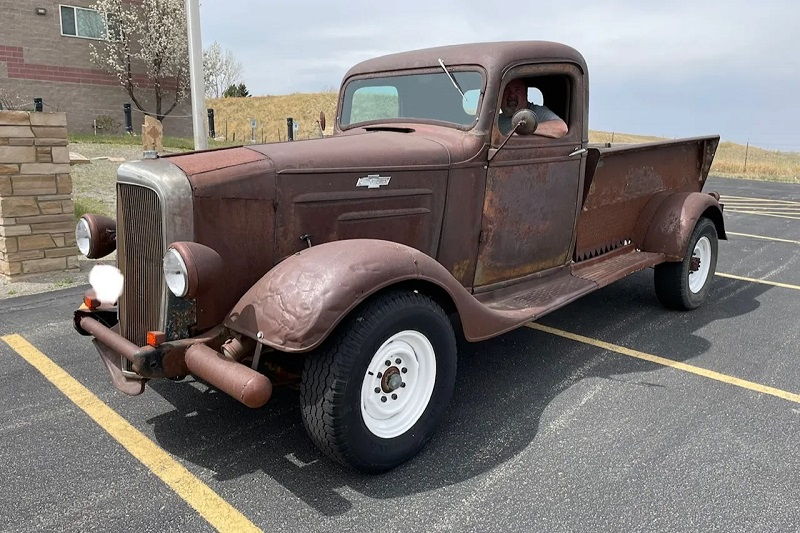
(790, 241)
(211, 506)
(756, 280)
(710, 374)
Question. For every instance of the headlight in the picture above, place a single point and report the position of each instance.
(175, 273)
(83, 236)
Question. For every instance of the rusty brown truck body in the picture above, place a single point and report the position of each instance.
(354, 260)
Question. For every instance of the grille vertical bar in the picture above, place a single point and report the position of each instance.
(140, 250)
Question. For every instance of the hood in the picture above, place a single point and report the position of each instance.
(370, 150)
(252, 204)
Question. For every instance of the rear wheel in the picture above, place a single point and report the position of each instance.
(685, 285)
(374, 393)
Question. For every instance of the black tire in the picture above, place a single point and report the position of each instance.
(330, 392)
(672, 279)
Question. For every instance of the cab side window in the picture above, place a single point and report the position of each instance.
(546, 96)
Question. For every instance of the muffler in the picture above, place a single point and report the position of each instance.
(235, 379)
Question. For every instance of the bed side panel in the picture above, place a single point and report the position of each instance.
(621, 180)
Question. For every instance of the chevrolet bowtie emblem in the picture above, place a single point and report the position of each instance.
(373, 181)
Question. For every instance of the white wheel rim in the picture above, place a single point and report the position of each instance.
(701, 252)
(399, 402)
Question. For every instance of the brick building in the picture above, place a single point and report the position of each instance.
(44, 53)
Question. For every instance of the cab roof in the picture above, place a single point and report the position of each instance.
(494, 57)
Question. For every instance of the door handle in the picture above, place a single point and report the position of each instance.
(579, 151)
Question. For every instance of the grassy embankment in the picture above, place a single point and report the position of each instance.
(94, 184)
(271, 113)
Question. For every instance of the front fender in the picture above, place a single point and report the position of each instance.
(296, 305)
(674, 220)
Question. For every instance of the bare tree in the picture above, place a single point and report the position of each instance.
(220, 69)
(145, 47)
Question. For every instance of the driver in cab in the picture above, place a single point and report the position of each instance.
(515, 97)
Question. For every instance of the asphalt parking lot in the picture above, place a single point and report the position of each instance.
(548, 430)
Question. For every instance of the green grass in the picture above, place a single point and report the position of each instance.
(85, 205)
(61, 283)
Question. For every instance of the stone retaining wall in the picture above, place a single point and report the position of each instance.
(37, 221)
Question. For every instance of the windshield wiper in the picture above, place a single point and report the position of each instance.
(455, 83)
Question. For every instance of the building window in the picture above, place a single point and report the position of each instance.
(82, 22)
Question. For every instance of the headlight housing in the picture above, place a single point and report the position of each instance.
(96, 236)
(192, 269)
(175, 273)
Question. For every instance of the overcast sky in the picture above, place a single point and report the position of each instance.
(668, 68)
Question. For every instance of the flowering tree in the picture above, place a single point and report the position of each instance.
(12, 100)
(221, 70)
(145, 47)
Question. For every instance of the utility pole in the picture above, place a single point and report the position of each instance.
(746, 151)
(196, 73)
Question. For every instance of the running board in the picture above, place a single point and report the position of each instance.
(604, 271)
(536, 297)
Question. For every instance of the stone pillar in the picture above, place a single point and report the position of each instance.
(37, 221)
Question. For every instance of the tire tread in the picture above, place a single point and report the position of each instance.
(671, 285)
(327, 372)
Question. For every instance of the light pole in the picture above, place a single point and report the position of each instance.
(196, 73)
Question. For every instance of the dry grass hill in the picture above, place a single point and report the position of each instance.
(233, 123)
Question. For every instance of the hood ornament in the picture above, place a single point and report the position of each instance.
(373, 181)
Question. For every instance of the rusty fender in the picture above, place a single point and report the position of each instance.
(296, 305)
(673, 220)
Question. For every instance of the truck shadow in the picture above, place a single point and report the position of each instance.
(504, 387)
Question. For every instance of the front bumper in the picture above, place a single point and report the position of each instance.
(198, 356)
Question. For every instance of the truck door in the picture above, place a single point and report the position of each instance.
(531, 201)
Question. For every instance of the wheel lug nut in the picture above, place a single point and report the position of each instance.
(380, 375)
(394, 396)
(397, 361)
(388, 363)
(383, 398)
(403, 384)
(377, 389)
(404, 370)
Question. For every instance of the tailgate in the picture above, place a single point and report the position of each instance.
(621, 180)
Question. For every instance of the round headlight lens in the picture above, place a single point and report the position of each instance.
(175, 273)
(83, 236)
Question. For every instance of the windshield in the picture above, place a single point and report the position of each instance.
(413, 96)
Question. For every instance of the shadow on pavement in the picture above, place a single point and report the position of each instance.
(503, 387)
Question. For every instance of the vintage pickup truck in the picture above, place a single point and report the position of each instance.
(356, 259)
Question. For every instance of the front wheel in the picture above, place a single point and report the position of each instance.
(685, 285)
(374, 393)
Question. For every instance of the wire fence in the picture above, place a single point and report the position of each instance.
(769, 155)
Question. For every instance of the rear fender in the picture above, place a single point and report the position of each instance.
(296, 305)
(671, 225)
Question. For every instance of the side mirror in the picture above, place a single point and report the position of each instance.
(524, 122)
(322, 120)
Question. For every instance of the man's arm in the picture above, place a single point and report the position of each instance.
(554, 129)
(550, 124)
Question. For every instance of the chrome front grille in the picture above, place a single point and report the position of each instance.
(140, 250)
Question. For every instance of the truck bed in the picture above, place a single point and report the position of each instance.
(621, 180)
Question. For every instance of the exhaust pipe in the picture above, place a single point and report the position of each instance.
(237, 380)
